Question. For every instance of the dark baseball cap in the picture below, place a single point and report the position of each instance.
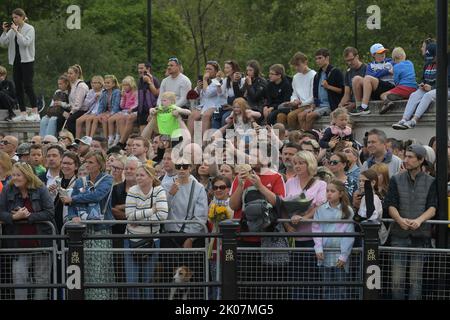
(418, 150)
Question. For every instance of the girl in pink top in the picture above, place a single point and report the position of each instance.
(128, 103)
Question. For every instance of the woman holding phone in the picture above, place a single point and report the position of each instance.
(19, 37)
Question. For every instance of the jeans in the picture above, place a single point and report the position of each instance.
(400, 265)
(418, 103)
(48, 126)
(331, 275)
(139, 268)
(218, 118)
(41, 274)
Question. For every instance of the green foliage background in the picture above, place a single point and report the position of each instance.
(113, 35)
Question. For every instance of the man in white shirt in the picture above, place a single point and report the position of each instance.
(176, 82)
(302, 90)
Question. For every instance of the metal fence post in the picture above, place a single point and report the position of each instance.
(229, 230)
(75, 263)
(371, 265)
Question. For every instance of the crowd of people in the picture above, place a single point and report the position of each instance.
(257, 147)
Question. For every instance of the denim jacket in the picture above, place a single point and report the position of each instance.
(43, 210)
(115, 101)
(99, 194)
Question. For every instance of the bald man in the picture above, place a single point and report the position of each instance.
(9, 145)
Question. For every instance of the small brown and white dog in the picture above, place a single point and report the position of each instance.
(181, 275)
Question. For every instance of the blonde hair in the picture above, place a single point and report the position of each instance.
(151, 172)
(114, 79)
(99, 79)
(6, 163)
(99, 156)
(68, 133)
(171, 96)
(33, 182)
(77, 69)
(310, 160)
(398, 54)
(129, 80)
(3, 71)
(338, 112)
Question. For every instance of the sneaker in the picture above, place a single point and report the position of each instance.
(33, 117)
(386, 107)
(19, 118)
(359, 111)
(9, 117)
(410, 124)
(400, 125)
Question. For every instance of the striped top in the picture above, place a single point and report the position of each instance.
(145, 207)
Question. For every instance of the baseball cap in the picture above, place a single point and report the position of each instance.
(377, 48)
(23, 149)
(418, 150)
(86, 140)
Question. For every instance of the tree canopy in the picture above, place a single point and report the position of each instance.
(113, 34)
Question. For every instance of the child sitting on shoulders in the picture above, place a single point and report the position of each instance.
(167, 117)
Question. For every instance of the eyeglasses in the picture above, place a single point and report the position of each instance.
(174, 59)
(222, 187)
(183, 166)
(212, 62)
(273, 74)
(62, 138)
(46, 142)
(117, 168)
(5, 142)
(334, 162)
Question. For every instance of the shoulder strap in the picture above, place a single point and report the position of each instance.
(96, 184)
(189, 205)
(309, 184)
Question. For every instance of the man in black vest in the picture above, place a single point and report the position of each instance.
(411, 200)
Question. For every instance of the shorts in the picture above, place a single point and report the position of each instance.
(383, 86)
(322, 111)
(403, 91)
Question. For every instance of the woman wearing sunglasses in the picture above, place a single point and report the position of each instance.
(338, 164)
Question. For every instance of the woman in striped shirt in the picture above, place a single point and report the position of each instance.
(145, 201)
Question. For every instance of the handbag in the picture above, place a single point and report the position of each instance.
(92, 211)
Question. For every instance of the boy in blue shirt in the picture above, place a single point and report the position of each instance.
(379, 78)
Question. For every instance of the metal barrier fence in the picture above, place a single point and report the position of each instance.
(160, 272)
(29, 273)
(90, 266)
(415, 273)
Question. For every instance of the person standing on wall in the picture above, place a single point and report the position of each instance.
(19, 37)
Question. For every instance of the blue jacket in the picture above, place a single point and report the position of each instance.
(43, 210)
(404, 74)
(115, 101)
(100, 194)
(380, 70)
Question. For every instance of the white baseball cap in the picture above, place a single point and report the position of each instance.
(86, 140)
(377, 48)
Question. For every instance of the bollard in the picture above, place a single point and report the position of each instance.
(75, 263)
(228, 258)
(371, 265)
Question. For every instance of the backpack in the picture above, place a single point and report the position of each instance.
(257, 214)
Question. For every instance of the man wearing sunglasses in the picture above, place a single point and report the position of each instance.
(355, 68)
(9, 145)
(176, 82)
